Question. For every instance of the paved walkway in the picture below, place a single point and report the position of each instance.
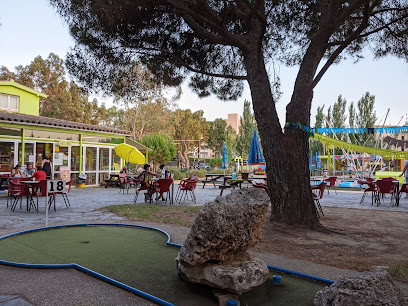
(62, 287)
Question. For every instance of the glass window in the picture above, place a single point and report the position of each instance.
(10, 132)
(43, 148)
(104, 159)
(75, 158)
(3, 101)
(91, 178)
(6, 156)
(115, 162)
(29, 150)
(13, 102)
(9, 102)
(90, 159)
(60, 157)
(51, 135)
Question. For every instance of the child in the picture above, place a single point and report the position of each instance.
(324, 172)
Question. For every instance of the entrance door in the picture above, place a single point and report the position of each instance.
(41, 148)
(61, 158)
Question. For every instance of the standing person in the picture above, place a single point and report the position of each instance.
(392, 165)
(46, 166)
(29, 171)
(16, 171)
(405, 170)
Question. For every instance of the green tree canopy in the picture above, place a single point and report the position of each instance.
(217, 136)
(216, 45)
(246, 130)
(164, 150)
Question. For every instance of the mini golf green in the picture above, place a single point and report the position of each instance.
(140, 258)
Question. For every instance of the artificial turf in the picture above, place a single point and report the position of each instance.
(141, 259)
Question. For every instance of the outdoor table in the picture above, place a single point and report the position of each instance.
(212, 178)
(314, 181)
(30, 184)
(113, 180)
(230, 183)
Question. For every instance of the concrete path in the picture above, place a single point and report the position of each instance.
(63, 287)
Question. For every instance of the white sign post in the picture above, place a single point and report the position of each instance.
(52, 187)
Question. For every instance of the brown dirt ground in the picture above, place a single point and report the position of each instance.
(351, 238)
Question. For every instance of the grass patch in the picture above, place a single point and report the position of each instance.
(179, 215)
(399, 272)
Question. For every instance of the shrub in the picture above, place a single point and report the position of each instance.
(215, 162)
(196, 172)
(221, 171)
(177, 175)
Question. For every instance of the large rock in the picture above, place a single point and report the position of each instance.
(237, 275)
(369, 288)
(214, 252)
(226, 227)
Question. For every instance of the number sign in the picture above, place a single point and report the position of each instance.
(56, 186)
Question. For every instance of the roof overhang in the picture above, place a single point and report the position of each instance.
(22, 87)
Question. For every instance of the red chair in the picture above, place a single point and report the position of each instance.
(19, 193)
(317, 193)
(17, 185)
(331, 182)
(383, 187)
(125, 182)
(262, 184)
(140, 185)
(160, 187)
(404, 188)
(65, 193)
(185, 186)
(371, 187)
(42, 192)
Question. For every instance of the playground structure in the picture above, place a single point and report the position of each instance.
(358, 159)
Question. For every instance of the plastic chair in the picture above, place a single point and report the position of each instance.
(65, 193)
(332, 183)
(18, 194)
(318, 196)
(261, 185)
(17, 185)
(42, 192)
(140, 185)
(386, 186)
(125, 182)
(185, 186)
(160, 187)
(404, 188)
(371, 187)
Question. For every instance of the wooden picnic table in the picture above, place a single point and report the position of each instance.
(230, 183)
(113, 181)
(212, 178)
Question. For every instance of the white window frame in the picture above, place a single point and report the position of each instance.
(8, 102)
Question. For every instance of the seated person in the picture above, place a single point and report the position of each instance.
(162, 168)
(39, 175)
(145, 176)
(29, 171)
(16, 171)
(124, 170)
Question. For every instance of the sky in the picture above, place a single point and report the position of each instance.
(31, 28)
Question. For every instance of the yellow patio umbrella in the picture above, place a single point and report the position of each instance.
(130, 154)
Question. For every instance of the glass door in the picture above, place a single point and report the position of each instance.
(61, 158)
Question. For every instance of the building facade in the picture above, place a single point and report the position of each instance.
(25, 137)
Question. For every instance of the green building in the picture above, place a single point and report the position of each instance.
(25, 137)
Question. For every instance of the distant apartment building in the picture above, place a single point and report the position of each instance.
(234, 122)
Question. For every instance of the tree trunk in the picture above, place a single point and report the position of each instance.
(286, 154)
